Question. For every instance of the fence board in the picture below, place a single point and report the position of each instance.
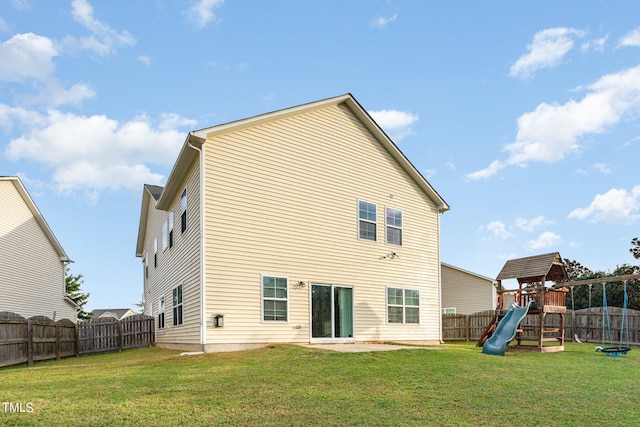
(588, 325)
(40, 338)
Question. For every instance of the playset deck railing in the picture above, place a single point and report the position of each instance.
(541, 296)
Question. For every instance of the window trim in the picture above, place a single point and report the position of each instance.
(395, 227)
(145, 264)
(155, 252)
(170, 221)
(448, 310)
(404, 306)
(183, 211)
(368, 221)
(263, 298)
(178, 307)
(161, 313)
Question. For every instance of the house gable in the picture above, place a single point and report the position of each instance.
(32, 261)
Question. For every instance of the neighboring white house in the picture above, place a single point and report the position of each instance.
(301, 225)
(464, 292)
(32, 262)
(114, 313)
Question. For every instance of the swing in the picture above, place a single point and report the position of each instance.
(619, 350)
(573, 307)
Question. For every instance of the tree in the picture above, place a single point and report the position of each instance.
(635, 248)
(575, 270)
(75, 294)
(140, 306)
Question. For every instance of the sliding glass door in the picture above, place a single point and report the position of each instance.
(331, 313)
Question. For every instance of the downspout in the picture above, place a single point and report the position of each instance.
(439, 284)
(203, 270)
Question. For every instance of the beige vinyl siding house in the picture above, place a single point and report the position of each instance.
(309, 225)
(464, 292)
(32, 261)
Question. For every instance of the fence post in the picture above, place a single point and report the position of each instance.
(29, 342)
(77, 333)
(120, 335)
(467, 327)
(57, 341)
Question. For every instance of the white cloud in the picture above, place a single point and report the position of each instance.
(595, 44)
(498, 230)
(103, 39)
(21, 4)
(552, 131)
(545, 240)
(146, 60)
(533, 223)
(100, 153)
(27, 56)
(201, 12)
(382, 21)
(3, 25)
(602, 168)
(614, 206)
(545, 51)
(632, 38)
(10, 116)
(398, 124)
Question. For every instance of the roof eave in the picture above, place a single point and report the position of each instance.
(395, 152)
(185, 159)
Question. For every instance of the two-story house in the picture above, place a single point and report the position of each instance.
(32, 261)
(302, 225)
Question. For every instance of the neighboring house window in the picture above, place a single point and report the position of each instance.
(449, 310)
(167, 232)
(155, 252)
(161, 324)
(274, 298)
(366, 220)
(403, 305)
(394, 226)
(145, 263)
(165, 235)
(170, 226)
(183, 210)
(177, 305)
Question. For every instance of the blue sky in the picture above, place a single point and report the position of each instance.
(525, 116)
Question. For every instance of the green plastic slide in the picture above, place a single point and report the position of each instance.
(506, 330)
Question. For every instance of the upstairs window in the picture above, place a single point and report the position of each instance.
(394, 226)
(167, 232)
(183, 210)
(161, 324)
(145, 263)
(170, 227)
(274, 298)
(155, 252)
(403, 305)
(367, 220)
(165, 236)
(177, 305)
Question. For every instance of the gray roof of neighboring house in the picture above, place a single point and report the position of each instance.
(535, 268)
(155, 190)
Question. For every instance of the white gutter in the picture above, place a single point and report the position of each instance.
(439, 285)
(203, 270)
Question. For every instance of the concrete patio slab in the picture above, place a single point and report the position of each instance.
(361, 348)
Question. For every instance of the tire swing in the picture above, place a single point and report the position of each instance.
(575, 336)
(619, 350)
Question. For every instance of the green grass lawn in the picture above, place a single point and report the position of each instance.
(291, 385)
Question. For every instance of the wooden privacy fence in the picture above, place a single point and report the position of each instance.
(40, 338)
(588, 325)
